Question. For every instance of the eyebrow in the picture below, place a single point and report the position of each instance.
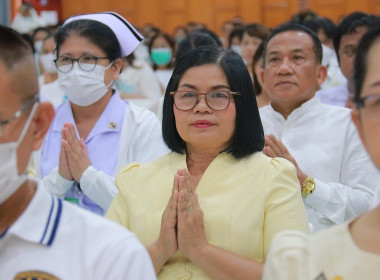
(68, 54)
(375, 84)
(292, 51)
(212, 88)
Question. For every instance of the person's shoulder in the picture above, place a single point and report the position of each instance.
(159, 162)
(92, 226)
(334, 113)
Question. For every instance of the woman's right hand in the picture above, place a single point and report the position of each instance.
(63, 166)
(166, 245)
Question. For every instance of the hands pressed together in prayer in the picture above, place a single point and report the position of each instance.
(73, 158)
(182, 224)
(275, 148)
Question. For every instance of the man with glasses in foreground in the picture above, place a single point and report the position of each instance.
(42, 237)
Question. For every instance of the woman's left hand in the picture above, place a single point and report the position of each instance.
(76, 151)
(191, 234)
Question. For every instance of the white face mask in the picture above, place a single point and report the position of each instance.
(10, 180)
(47, 61)
(84, 88)
(38, 46)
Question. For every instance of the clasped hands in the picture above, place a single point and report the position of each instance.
(73, 158)
(182, 224)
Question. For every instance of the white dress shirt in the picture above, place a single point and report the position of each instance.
(324, 142)
(53, 238)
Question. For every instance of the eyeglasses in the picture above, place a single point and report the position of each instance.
(215, 100)
(87, 63)
(18, 113)
(370, 104)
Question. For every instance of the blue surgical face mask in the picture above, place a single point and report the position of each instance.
(161, 56)
(125, 87)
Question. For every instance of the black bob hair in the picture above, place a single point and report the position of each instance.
(248, 136)
(361, 59)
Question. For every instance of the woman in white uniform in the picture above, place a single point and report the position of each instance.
(96, 132)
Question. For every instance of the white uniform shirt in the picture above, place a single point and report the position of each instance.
(57, 239)
(325, 144)
(135, 135)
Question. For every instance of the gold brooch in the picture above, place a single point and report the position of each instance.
(112, 125)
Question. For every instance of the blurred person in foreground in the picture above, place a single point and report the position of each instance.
(351, 250)
(209, 208)
(42, 237)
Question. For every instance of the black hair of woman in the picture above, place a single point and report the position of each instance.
(248, 136)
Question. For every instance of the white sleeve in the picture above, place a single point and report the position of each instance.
(56, 184)
(98, 186)
(127, 259)
(353, 195)
(288, 257)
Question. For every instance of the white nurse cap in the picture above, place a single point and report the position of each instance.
(129, 38)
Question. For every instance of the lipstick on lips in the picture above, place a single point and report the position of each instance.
(202, 124)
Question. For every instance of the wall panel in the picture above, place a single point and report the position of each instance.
(167, 14)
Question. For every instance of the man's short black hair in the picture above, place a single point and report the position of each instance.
(349, 25)
(248, 136)
(317, 46)
(324, 23)
(13, 48)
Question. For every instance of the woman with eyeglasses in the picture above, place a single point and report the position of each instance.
(95, 132)
(210, 207)
(351, 250)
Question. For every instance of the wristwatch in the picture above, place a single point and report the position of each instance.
(308, 186)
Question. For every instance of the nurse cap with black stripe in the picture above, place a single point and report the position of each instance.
(129, 38)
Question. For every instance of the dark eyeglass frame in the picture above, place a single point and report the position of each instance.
(230, 94)
(56, 61)
(360, 103)
(19, 112)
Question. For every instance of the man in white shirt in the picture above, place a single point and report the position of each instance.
(335, 173)
(42, 237)
(346, 39)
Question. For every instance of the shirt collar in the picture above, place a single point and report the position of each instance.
(40, 220)
(109, 121)
(303, 110)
